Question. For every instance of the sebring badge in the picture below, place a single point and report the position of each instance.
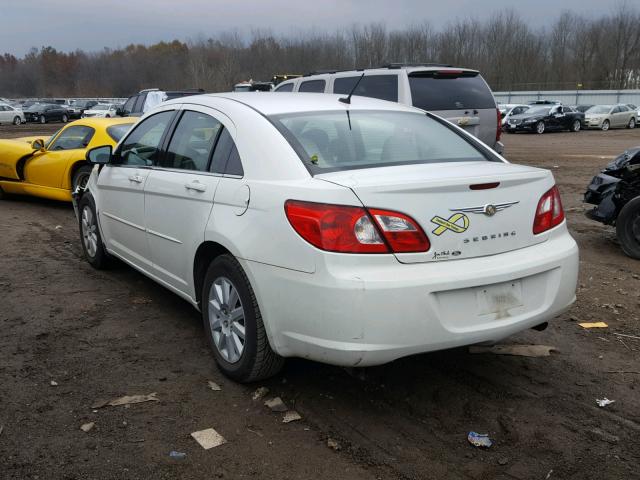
(489, 210)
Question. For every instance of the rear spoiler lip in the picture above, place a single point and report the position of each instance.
(463, 72)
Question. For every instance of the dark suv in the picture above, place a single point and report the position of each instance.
(138, 104)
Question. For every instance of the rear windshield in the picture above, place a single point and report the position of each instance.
(433, 91)
(117, 131)
(348, 140)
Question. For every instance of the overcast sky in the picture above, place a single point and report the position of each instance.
(94, 24)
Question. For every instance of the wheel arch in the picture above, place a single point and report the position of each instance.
(205, 254)
(72, 171)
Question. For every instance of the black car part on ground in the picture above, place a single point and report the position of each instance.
(614, 187)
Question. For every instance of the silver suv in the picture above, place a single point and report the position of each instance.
(458, 94)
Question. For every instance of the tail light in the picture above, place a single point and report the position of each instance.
(499, 127)
(549, 212)
(340, 228)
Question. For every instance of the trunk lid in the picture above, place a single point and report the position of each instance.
(460, 222)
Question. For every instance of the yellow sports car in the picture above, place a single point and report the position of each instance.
(53, 168)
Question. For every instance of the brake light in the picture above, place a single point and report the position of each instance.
(499, 125)
(340, 228)
(549, 212)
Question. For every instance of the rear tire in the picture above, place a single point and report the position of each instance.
(80, 177)
(605, 126)
(628, 228)
(575, 127)
(233, 323)
(540, 127)
(632, 123)
(90, 238)
(17, 121)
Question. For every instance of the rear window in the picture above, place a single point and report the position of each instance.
(348, 140)
(117, 131)
(384, 87)
(432, 91)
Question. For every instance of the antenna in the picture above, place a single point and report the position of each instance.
(347, 99)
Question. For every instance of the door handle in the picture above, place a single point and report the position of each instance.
(195, 185)
(136, 178)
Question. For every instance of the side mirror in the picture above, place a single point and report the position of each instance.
(99, 155)
(120, 112)
(38, 144)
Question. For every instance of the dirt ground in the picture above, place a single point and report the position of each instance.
(101, 335)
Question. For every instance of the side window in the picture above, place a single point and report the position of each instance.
(139, 103)
(286, 87)
(142, 146)
(234, 165)
(225, 157)
(615, 110)
(192, 142)
(72, 138)
(384, 87)
(127, 107)
(312, 86)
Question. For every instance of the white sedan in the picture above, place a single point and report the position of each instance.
(9, 114)
(347, 231)
(101, 110)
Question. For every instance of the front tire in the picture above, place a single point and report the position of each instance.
(17, 121)
(90, 238)
(540, 127)
(65, 119)
(233, 323)
(575, 127)
(632, 123)
(43, 119)
(628, 228)
(605, 126)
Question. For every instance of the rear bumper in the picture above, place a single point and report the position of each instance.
(354, 314)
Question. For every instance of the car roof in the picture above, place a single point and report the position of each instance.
(276, 103)
(104, 122)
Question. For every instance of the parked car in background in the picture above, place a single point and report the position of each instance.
(9, 114)
(508, 110)
(77, 107)
(104, 110)
(541, 118)
(373, 210)
(253, 86)
(544, 102)
(143, 101)
(44, 112)
(52, 168)
(458, 94)
(605, 117)
(615, 192)
(583, 108)
(636, 108)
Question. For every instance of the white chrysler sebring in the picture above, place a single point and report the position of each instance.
(350, 231)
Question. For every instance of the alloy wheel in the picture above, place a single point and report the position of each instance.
(632, 123)
(89, 231)
(605, 125)
(227, 319)
(540, 127)
(576, 126)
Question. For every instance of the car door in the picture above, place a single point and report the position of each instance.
(180, 192)
(121, 186)
(4, 114)
(48, 168)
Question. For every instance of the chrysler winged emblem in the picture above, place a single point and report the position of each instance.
(489, 210)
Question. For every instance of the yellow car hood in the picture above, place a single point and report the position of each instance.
(11, 151)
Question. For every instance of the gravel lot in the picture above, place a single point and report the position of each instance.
(102, 335)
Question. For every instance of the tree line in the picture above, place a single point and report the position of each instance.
(569, 52)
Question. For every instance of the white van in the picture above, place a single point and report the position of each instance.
(458, 94)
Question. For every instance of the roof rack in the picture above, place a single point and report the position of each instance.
(396, 65)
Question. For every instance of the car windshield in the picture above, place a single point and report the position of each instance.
(347, 140)
(101, 107)
(117, 131)
(538, 111)
(600, 109)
